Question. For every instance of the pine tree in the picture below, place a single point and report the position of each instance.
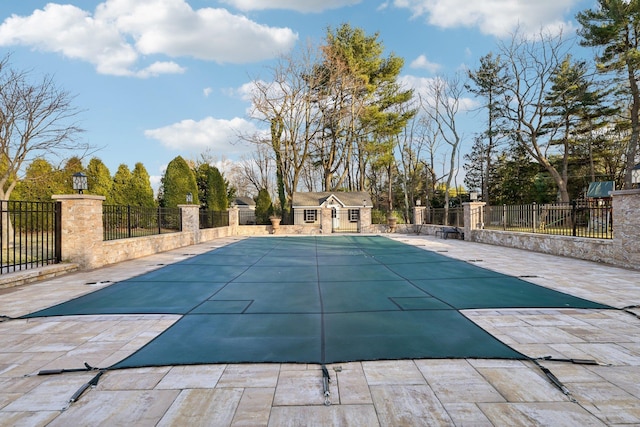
(489, 83)
(613, 27)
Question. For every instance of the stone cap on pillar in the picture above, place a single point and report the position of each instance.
(77, 197)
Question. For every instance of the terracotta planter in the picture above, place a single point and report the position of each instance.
(275, 225)
(392, 222)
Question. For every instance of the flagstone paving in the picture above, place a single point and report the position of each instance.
(460, 392)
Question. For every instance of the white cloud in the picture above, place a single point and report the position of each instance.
(122, 33)
(217, 135)
(207, 91)
(422, 62)
(304, 6)
(495, 17)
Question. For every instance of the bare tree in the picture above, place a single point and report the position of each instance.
(531, 64)
(257, 169)
(286, 105)
(37, 120)
(442, 105)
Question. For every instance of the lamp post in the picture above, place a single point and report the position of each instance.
(80, 182)
(635, 176)
(189, 198)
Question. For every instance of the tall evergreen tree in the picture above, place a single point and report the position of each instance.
(613, 27)
(490, 80)
(39, 183)
(99, 180)
(65, 175)
(264, 208)
(570, 103)
(360, 87)
(213, 188)
(121, 180)
(178, 181)
(140, 191)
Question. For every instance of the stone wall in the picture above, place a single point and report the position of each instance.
(622, 251)
(136, 247)
(598, 250)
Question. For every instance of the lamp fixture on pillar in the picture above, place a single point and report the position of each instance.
(635, 176)
(80, 182)
(189, 198)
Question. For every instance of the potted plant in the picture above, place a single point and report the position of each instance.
(275, 223)
(392, 221)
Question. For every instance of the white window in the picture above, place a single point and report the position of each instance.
(310, 215)
(354, 215)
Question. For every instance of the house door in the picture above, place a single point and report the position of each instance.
(335, 218)
(345, 220)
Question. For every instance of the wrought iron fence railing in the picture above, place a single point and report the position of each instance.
(29, 235)
(213, 219)
(577, 219)
(122, 222)
(442, 216)
(246, 217)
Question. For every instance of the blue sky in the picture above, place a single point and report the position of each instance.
(161, 78)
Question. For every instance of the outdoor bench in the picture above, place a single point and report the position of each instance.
(445, 232)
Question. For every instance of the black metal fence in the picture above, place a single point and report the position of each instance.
(246, 217)
(213, 219)
(577, 219)
(122, 222)
(29, 235)
(442, 216)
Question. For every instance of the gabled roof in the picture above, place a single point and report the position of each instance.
(600, 189)
(347, 199)
(244, 201)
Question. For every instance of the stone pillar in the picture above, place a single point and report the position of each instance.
(191, 221)
(473, 217)
(418, 216)
(234, 220)
(364, 223)
(82, 231)
(626, 232)
(326, 221)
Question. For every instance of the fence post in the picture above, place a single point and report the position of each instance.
(504, 217)
(626, 232)
(81, 229)
(534, 207)
(326, 220)
(364, 219)
(128, 220)
(473, 217)
(58, 231)
(190, 220)
(234, 220)
(419, 217)
(574, 217)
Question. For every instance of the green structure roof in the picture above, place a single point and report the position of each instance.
(600, 189)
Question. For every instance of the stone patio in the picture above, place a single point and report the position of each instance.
(461, 392)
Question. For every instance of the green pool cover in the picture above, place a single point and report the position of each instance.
(317, 300)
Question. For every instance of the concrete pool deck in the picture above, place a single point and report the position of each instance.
(478, 392)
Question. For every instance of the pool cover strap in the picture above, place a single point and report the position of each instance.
(326, 379)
